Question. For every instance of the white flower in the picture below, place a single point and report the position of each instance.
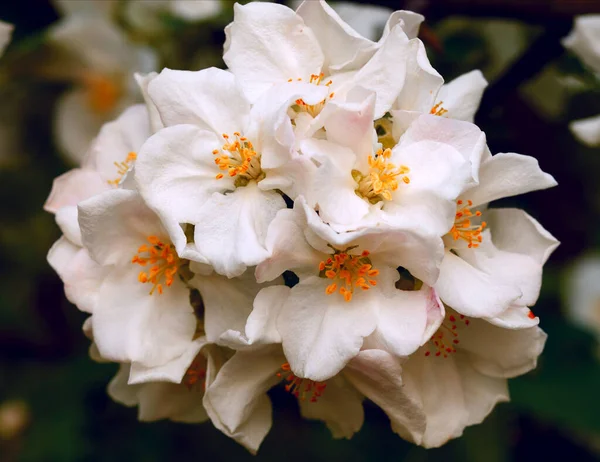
(494, 257)
(347, 290)
(107, 163)
(238, 405)
(583, 294)
(414, 184)
(101, 71)
(459, 376)
(218, 162)
(584, 41)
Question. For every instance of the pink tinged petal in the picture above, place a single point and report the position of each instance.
(261, 326)
(267, 44)
(402, 316)
(176, 175)
(321, 332)
(513, 230)
(421, 80)
(73, 187)
(461, 96)
(500, 352)
(116, 140)
(227, 302)
(587, 130)
(287, 249)
(81, 275)
(385, 73)
(471, 291)
(115, 224)
(132, 325)
(173, 371)
(210, 99)
(233, 227)
(343, 47)
(237, 402)
(378, 375)
(506, 175)
(340, 407)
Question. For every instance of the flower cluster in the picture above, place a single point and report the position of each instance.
(314, 217)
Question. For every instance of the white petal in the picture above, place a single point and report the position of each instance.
(583, 293)
(500, 352)
(584, 39)
(115, 224)
(120, 391)
(409, 20)
(378, 375)
(506, 175)
(67, 221)
(516, 231)
(261, 327)
(132, 325)
(209, 98)
(116, 140)
(233, 227)
(143, 80)
(267, 44)
(461, 96)
(472, 292)
(321, 332)
(160, 400)
(227, 302)
(237, 402)
(73, 187)
(195, 11)
(587, 130)
(515, 317)
(340, 407)
(287, 248)
(175, 174)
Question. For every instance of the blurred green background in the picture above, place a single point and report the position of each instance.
(48, 381)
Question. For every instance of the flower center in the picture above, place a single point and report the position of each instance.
(301, 388)
(123, 168)
(445, 340)
(164, 261)
(103, 92)
(348, 272)
(239, 159)
(382, 179)
(195, 373)
(438, 109)
(463, 227)
(314, 109)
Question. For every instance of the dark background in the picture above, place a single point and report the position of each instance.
(44, 366)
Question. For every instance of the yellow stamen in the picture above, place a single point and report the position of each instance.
(438, 109)
(238, 158)
(164, 260)
(463, 228)
(382, 179)
(314, 109)
(348, 272)
(123, 168)
(103, 92)
(299, 387)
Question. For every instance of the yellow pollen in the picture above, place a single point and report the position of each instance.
(438, 109)
(195, 373)
(301, 388)
(314, 109)
(445, 341)
(164, 261)
(238, 158)
(463, 227)
(123, 168)
(383, 177)
(348, 272)
(103, 92)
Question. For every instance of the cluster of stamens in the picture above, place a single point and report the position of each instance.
(445, 340)
(382, 179)
(238, 158)
(195, 373)
(463, 227)
(314, 109)
(348, 272)
(301, 388)
(123, 167)
(164, 261)
(438, 109)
